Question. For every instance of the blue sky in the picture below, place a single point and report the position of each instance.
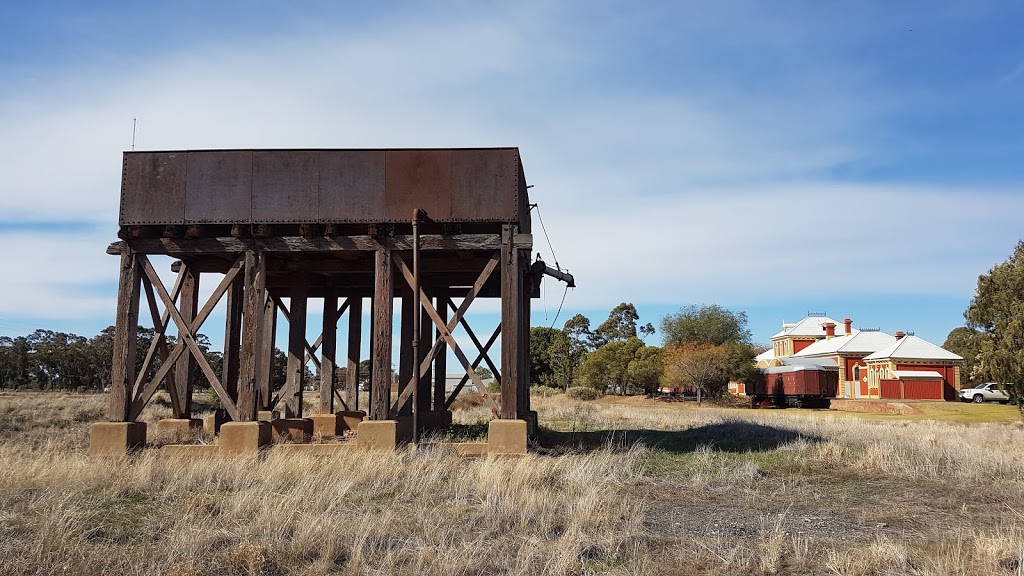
(859, 158)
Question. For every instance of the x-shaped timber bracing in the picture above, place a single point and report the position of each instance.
(186, 336)
(446, 333)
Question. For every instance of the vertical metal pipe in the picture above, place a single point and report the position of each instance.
(416, 325)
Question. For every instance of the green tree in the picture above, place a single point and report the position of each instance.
(997, 311)
(605, 369)
(645, 370)
(710, 324)
(620, 325)
(967, 343)
(542, 345)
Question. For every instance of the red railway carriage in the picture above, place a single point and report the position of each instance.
(798, 382)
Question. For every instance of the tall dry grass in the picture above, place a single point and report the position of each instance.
(653, 489)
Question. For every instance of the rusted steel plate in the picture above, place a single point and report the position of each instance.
(285, 186)
(219, 186)
(352, 186)
(418, 179)
(484, 184)
(522, 193)
(153, 188)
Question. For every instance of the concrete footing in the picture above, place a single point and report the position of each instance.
(293, 429)
(336, 424)
(213, 422)
(244, 438)
(191, 450)
(506, 437)
(178, 429)
(116, 438)
(314, 449)
(378, 434)
(266, 415)
(467, 448)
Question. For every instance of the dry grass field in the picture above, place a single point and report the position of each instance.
(615, 486)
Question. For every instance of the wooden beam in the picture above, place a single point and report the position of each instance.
(253, 369)
(423, 395)
(441, 361)
(122, 369)
(159, 343)
(187, 332)
(355, 341)
(143, 397)
(204, 246)
(476, 362)
(295, 379)
(265, 368)
(476, 342)
(511, 323)
(406, 362)
(328, 352)
(310, 352)
(445, 329)
(185, 368)
(233, 336)
(380, 382)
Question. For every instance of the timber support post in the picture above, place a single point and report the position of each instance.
(380, 345)
(122, 373)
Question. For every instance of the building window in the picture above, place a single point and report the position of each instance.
(856, 373)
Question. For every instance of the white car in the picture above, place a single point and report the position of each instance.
(987, 392)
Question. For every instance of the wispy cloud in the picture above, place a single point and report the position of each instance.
(679, 154)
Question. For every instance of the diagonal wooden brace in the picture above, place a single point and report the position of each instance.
(159, 343)
(310, 350)
(479, 358)
(476, 342)
(186, 335)
(446, 335)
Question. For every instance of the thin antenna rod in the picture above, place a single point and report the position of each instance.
(134, 122)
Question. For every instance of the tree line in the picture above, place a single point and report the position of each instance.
(704, 347)
(49, 360)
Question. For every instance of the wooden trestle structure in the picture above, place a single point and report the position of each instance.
(424, 233)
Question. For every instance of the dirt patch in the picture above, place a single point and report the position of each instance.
(874, 407)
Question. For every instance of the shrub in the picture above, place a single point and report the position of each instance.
(582, 393)
(544, 391)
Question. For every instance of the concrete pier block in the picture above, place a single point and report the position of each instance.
(116, 438)
(293, 429)
(467, 448)
(315, 449)
(190, 450)
(177, 430)
(213, 422)
(266, 415)
(350, 419)
(243, 438)
(336, 424)
(378, 434)
(506, 437)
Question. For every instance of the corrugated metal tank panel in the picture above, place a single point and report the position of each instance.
(327, 186)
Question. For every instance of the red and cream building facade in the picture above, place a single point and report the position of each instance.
(872, 364)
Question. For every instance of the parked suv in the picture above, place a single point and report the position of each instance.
(987, 392)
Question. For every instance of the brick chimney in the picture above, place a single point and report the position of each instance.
(899, 335)
(830, 330)
(848, 325)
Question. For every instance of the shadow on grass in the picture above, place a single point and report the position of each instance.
(724, 437)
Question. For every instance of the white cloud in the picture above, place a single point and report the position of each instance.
(706, 187)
